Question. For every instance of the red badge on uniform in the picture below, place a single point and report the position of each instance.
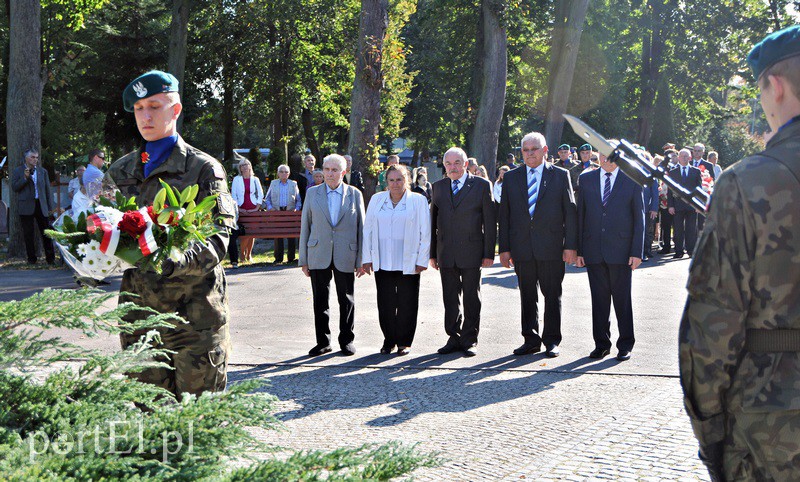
(145, 157)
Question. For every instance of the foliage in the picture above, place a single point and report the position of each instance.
(82, 424)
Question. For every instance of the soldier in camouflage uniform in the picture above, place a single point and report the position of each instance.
(193, 286)
(740, 332)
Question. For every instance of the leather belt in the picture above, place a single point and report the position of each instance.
(772, 341)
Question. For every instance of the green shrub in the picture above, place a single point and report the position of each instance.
(80, 422)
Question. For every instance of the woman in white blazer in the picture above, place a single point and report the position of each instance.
(247, 192)
(396, 246)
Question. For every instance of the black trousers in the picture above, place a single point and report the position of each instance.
(685, 230)
(609, 282)
(279, 250)
(547, 276)
(233, 246)
(27, 220)
(398, 304)
(457, 283)
(666, 228)
(345, 287)
(649, 233)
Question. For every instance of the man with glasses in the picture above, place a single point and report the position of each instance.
(697, 160)
(538, 233)
(93, 176)
(283, 195)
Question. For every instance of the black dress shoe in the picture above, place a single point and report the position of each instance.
(664, 251)
(448, 348)
(624, 355)
(349, 349)
(552, 351)
(599, 353)
(403, 350)
(678, 256)
(386, 349)
(527, 349)
(470, 351)
(320, 350)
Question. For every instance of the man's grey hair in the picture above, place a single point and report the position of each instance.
(699, 146)
(687, 151)
(533, 137)
(284, 166)
(348, 158)
(456, 150)
(335, 158)
(30, 151)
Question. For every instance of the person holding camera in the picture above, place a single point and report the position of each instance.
(34, 198)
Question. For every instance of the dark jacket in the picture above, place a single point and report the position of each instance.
(26, 194)
(553, 227)
(464, 226)
(614, 232)
(693, 180)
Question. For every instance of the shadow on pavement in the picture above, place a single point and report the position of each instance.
(420, 385)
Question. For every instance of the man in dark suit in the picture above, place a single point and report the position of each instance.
(610, 244)
(32, 185)
(538, 234)
(684, 217)
(353, 177)
(697, 161)
(463, 235)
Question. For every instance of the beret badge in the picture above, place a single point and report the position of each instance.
(140, 89)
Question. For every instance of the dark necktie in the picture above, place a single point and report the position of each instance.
(455, 187)
(685, 173)
(607, 189)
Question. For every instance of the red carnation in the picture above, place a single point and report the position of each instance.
(145, 157)
(702, 167)
(153, 216)
(132, 223)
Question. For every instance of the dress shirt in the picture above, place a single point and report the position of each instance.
(74, 186)
(35, 185)
(539, 170)
(310, 177)
(603, 180)
(498, 190)
(92, 181)
(334, 201)
(391, 233)
(461, 182)
(283, 197)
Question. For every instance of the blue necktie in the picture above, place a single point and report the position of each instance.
(607, 189)
(533, 190)
(683, 171)
(455, 187)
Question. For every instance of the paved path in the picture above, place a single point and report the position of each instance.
(494, 416)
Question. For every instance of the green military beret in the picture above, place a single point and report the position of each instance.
(585, 147)
(564, 147)
(146, 85)
(775, 47)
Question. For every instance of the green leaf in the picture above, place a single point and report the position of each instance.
(171, 193)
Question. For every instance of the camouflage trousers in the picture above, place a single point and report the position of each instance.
(202, 346)
(762, 446)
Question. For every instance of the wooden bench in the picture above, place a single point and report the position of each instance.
(271, 224)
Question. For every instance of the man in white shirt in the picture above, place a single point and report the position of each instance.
(75, 183)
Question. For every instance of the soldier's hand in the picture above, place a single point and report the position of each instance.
(579, 262)
(487, 262)
(711, 456)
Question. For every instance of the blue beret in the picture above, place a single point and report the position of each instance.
(146, 85)
(775, 47)
(563, 147)
(585, 147)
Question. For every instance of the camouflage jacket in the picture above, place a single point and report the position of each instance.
(185, 166)
(745, 275)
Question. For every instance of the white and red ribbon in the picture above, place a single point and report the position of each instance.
(147, 241)
(111, 234)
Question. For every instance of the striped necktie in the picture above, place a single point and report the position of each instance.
(533, 190)
(607, 189)
(455, 186)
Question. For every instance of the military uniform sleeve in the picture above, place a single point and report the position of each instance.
(712, 331)
(202, 258)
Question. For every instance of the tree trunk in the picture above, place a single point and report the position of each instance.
(652, 66)
(365, 113)
(308, 130)
(568, 28)
(476, 86)
(227, 112)
(178, 35)
(24, 102)
(493, 91)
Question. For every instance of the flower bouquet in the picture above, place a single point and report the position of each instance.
(117, 234)
(707, 180)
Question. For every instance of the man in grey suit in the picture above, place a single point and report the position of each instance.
(32, 185)
(330, 247)
(463, 235)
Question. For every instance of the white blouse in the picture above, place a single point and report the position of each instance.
(391, 232)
